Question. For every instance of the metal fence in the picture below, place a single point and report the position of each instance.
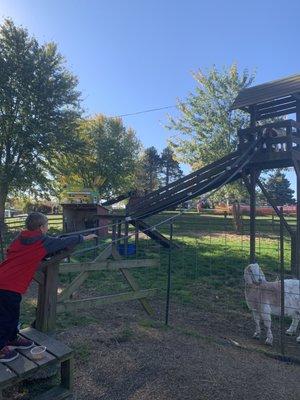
(199, 284)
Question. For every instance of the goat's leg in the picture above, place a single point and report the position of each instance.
(256, 317)
(293, 327)
(266, 317)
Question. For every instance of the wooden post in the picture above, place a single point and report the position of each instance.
(136, 236)
(119, 228)
(47, 299)
(297, 236)
(67, 379)
(252, 194)
(236, 213)
(126, 238)
(252, 214)
(289, 142)
(114, 234)
(281, 283)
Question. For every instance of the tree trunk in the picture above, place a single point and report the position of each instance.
(3, 197)
(167, 174)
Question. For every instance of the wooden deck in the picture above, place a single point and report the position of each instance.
(25, 366)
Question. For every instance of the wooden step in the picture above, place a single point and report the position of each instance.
(54, 347)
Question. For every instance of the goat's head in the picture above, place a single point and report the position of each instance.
(254, 274)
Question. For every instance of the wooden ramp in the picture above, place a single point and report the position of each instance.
(199, 182)
(204, 180)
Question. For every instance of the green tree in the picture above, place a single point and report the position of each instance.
(147, 178)
(206, 127)
(108, 158)
(279, 188)
(39, 107)
(170, 168)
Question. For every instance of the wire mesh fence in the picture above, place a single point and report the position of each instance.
(206, 271)
(208, 288)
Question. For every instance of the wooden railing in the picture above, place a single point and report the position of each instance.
(287, 139)
(18, 222)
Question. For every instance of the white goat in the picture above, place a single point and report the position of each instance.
(264, 298)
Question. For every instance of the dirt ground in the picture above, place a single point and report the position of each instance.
(121, 354)
(126, 357)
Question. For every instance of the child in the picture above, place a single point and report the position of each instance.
(16, 272)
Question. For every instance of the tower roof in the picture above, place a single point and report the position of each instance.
(270, 99)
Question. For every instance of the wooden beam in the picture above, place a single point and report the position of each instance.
(55, 259)
(78, 281)
(296, 269)
(274, 206)
(277, 113)
(277, 124)
(47, 298)
(133, 284)
(277, 102)
(39, 277)
(83, 304)
(73, 286)
(104, 254)
(279, 107)
(252, 214)
(108, 265)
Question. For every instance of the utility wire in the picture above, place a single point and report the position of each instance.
(144, 111)
(150, 228)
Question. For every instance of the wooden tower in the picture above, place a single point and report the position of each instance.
(280, 145)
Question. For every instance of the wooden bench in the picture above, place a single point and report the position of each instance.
(24, 366)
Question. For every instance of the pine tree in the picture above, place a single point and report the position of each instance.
(279, 188)
(170, 168)
(147, 178)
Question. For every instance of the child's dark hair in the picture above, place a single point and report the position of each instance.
(35, 220)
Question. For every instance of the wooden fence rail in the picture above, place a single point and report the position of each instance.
(50, 302)
(18, 223)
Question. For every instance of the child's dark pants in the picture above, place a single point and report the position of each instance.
(9, 316)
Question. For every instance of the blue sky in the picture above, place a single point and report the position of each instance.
(138, 54)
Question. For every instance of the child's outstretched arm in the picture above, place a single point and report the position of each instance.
(53, 245)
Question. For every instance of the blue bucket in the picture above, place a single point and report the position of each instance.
(131, 249)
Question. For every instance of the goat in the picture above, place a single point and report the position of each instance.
(276, 133)
(264, 299)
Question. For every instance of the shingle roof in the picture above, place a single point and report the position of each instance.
(277, 89)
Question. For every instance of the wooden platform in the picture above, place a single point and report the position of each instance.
(24, 366)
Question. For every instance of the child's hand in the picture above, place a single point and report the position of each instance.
(90, 237)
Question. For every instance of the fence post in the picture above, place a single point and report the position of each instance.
(1, 243)
(47, 299)
(169, 274)
(126, 231)
(281, 283)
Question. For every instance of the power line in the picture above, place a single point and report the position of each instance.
(144, 111)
